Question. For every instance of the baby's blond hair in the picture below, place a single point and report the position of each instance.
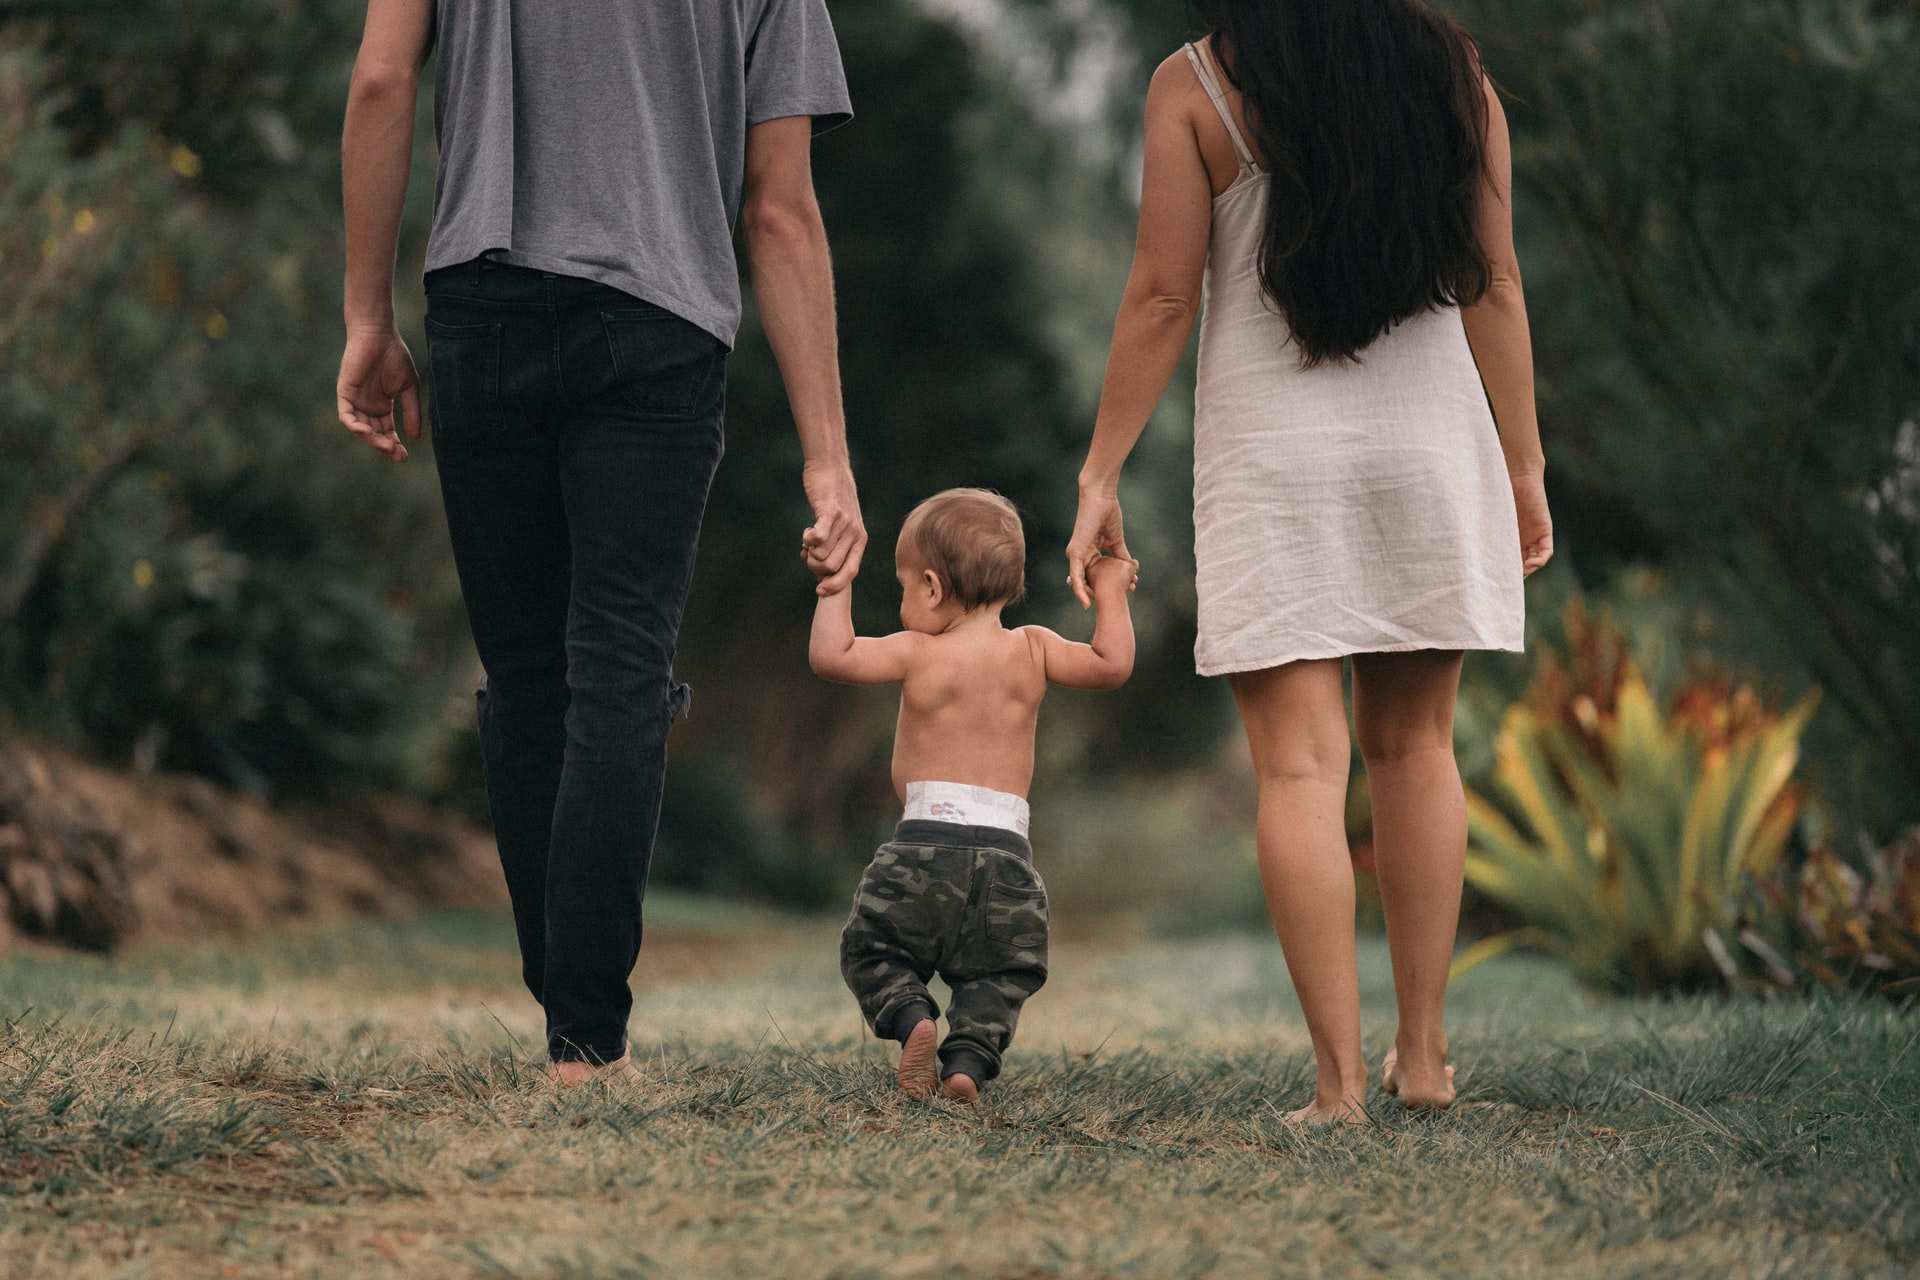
(972, 540)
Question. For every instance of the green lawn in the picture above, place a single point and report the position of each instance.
(364, 1102)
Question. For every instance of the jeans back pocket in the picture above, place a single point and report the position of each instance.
(465, 363)
(663, 366)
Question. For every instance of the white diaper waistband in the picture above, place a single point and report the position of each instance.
(966, 805)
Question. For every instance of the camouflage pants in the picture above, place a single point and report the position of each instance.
(962, 902)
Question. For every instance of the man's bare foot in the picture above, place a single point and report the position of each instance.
(960, 1087)
(1432, 1093)
(573, 1071)
(919, 1069)
(1346, 1111)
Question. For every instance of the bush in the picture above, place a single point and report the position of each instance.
(1847, 928)
(1715, 203)
(1632, 829)
(197, 571)
(713, 839)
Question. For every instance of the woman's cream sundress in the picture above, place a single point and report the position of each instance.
(1349, 508)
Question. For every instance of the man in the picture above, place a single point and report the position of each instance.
(582, 295)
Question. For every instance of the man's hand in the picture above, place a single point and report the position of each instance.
(793, 288)
(1107, 574)
(834, 544)
(376, 151)
(376, 370)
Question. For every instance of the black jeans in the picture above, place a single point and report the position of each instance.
(576, 430)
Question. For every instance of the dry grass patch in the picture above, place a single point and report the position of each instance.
(1139, 1131)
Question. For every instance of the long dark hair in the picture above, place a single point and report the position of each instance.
(1371, 116)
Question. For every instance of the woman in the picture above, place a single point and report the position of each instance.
(1337, 174)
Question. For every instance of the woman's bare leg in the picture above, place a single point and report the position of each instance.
(1403, 717)
(1297, 727)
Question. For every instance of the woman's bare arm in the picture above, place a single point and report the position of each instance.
(1503, 348)
(1156, 312)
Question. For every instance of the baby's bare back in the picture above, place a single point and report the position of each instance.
(968, 708)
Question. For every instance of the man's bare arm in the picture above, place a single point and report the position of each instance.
(793, 284)
(376, 152)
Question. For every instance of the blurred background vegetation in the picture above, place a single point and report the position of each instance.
(200, 573)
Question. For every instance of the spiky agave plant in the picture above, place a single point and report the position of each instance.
(1628, 830)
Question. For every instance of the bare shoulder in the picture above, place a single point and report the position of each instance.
(1032, 644)
(1496, 109)
(1039, 639)
(1036, 636)
(1174, 84)
(909, 644)
(1175, 70)
(908, 648)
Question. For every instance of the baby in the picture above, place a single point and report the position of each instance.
(954, 892)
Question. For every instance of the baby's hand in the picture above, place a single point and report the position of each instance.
(810, 556)
(1112, 569)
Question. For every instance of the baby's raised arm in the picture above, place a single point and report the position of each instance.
(1108, 661)
(837, 654)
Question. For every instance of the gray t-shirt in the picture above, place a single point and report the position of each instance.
(606, 139)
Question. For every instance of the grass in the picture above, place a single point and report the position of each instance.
(364, 1103)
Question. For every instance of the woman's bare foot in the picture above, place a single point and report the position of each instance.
(1345, 1111)
(573, 1071)
(960, 1087)
(1436, 1091)
(919, 1070)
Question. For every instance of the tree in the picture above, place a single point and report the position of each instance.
(1719, 199)
(193, 571)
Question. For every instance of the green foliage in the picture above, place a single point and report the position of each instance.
(1845, 927)
(713, 840)
(194, 570)
(1715, 201)
(1634, 827)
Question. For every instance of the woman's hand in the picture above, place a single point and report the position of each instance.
(1157, 310)
(1536, 523)
(1095, 529)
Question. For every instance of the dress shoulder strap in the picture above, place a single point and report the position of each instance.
(1202, 59)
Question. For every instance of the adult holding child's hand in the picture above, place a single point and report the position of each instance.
(1097, 531)
(835, 542)
(1368, 478)
(582, 297)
